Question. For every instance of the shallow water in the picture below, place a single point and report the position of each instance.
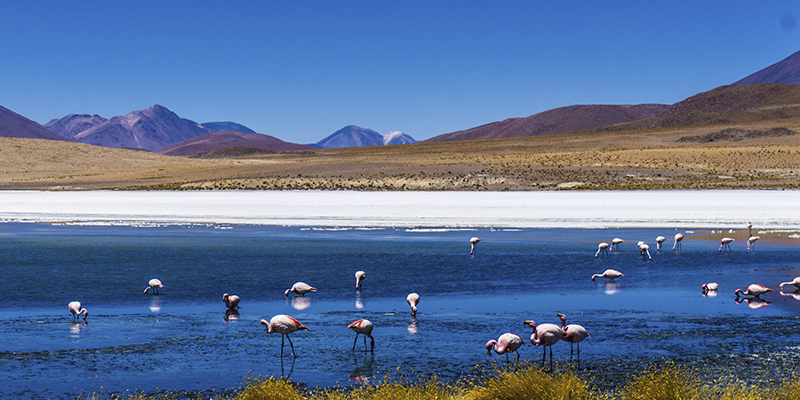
(182, 338)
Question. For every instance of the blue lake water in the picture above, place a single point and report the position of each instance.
(182, 338)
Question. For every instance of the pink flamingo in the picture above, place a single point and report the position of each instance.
(284, 325)
(231, 301)
(602, 247)
(473, 242)
(573, 333)
(795, 283)
(507, 343)
(751, 242)
(678, 238)
(645, 248)
(545, 335)
(659, 240)
(363, 327)
(609, 274)
(726, 243)
(413, 299)
(754, 290)
(360, 276)
(615, 243)
(153, 284)
(76, 310)
(709, 287)
(300, 288)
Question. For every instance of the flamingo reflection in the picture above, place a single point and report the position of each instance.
(412, 326)
(155, 304)
(75, 327)
(284, 375)
(362, 374)
(753, 302)
(795, 294)
(231, 314)
(612, 287)
(301, 303)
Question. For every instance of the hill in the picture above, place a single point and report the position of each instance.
(785, 71)
(226, 126)
(557, 121)
(15, 125)
(726, 104)
(227, 139)
(351, 136)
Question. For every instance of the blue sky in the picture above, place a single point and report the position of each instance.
(300, 70)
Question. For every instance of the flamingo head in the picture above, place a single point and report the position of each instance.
(563, 319)
(225, 297)
(266, 323)
(532, 324)
(287, 292)
(489, 346)
(85, 313)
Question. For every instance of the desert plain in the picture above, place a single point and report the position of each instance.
(699, 157)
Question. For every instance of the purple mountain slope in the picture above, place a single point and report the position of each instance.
(226, 139)
(15, 125)
(784, 71)
(73, 124)
(351, 136)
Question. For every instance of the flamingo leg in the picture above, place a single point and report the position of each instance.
(291, 344)
(365, 343)
(355, 341)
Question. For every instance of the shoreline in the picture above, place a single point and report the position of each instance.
(686, 209)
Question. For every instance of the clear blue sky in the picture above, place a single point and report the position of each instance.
(300, 70)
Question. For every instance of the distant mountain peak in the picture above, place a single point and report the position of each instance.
(226, 126)
(397, 137)
(351, 136)
(784, 71)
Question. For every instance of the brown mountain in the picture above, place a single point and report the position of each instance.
(149, 129)
(73, 124)
(15, 125)
(227, 139)
(726, 104)
(556, 121)
(784, 71)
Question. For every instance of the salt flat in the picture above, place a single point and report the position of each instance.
(567, 209)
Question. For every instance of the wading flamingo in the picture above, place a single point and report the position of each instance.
(749, 229)
(725, 243)
(300, 288)
(645, 248)
(659, 240)
(231, 301)
(284, 325)
(615, 243)
(710, 287)
(602, 247)
(609, 273)
(363, 327)
(413, 299)
(545, 335)
(76, 310)
(795, 283)
(573, 333)
(754, 290)
(360, 276)
(678, 238)
(153, 284)
(751, 242)
(473, 242)
(506, 343)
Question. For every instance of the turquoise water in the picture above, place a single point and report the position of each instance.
(183, 339)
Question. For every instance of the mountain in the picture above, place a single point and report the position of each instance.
(785, 71)
(227, 139)
(73, 124)
(15, 125)
(556, 121)
(226, 126)
(351, 136)
(397, 137)
(726, 104)
(149, 129)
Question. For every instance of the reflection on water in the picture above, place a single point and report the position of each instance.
(155, 303)
(753, 302)
(359, 301)
(301, 302)
(612, 287)
(363, 371)
(75, 328)
(710, 293)
(284, 375)
(231, 314)
(795, 294)
(412, 326)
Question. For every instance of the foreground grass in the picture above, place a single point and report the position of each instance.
(525, 381)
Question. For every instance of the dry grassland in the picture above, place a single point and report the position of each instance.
(628, 160)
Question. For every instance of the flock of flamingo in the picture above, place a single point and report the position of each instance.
(546, 334)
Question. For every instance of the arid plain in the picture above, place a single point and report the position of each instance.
(616, 160)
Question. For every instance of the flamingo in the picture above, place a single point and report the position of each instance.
(545, 335)
(284, 325)
(750, 229)
(473, 242)
(659, 240)
(645, 248)
(795, 283)
(615, 243)
(678, 238)
(710, 287)
(602, 247)
(153, 284)
(360, 276)
(363, 326)
(76, 310)
(573, 333)
(413, 299)
(231, 301)
(754, 290)
(506, 343)
(609, 273)
(751, 242)
(300, 288)
(726, 243)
